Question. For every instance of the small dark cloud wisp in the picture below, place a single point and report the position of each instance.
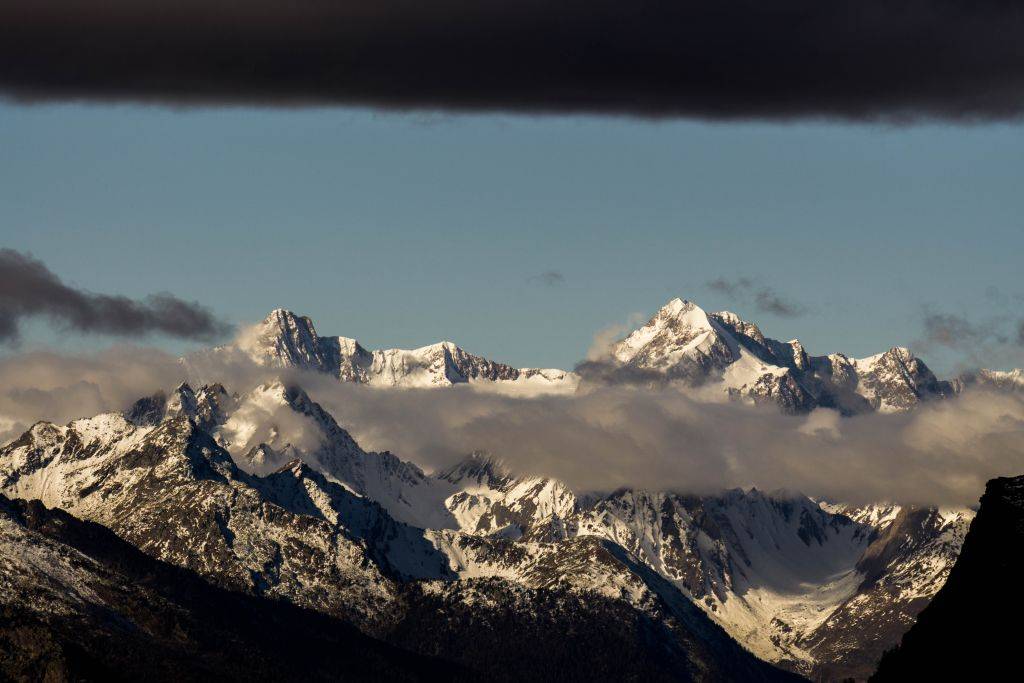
(29, 289)
(992, 342)
(893, 60)
(955, 331)
(762, 297)
(549, 278)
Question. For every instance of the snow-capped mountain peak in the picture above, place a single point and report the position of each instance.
(723, 355)
(287, 340)
(284, 339)
(682, 343)
(679, 328)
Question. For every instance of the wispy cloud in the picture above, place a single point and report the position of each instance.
(955, 331)
(655, 438)
(549, 278)
(763, 298)
(993, 341)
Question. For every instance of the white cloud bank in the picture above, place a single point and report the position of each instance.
(941, 453)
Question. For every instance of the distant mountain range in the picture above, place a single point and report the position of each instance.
(144, 531)
(287, 340)
(715, 356)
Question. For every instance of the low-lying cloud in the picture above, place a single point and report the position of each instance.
(659, 439)
(29, 289)
(43, 385)
(603, 439)
(896, 60)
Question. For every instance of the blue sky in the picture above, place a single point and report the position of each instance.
(401, 230)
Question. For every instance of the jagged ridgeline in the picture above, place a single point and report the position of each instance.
(502, 576)
(718, 353)
(132, 539)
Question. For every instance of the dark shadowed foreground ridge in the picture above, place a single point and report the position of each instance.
(970, 630)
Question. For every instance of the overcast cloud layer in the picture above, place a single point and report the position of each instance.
(942, 452)
(847, 59)
(29, 289)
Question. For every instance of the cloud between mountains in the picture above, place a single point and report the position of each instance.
(731, 59)
(660, 439)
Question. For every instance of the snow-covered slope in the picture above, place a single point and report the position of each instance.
(766, 567)
(796, 583)
(907, 562)
(170, 490)
(173, 492)
(790, 578)
(490, 501)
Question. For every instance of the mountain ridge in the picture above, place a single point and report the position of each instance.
(714, 356)
(263, 492)
(171, 491)
(370, 524)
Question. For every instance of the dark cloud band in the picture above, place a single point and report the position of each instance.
(28, 288)
(724, 59)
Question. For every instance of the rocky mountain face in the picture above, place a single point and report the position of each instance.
(287, 340)
(265, 494)
(171, 491)
(713, 356)
(79, 603)
(164, 485)
(907, 561)
(727, 355)
(788, 577)
(968, 631)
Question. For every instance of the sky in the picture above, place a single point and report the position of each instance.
(520, 236)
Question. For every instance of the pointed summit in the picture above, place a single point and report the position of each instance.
(207, 407)
(676, 306)
(284, 339)
(680, 330)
